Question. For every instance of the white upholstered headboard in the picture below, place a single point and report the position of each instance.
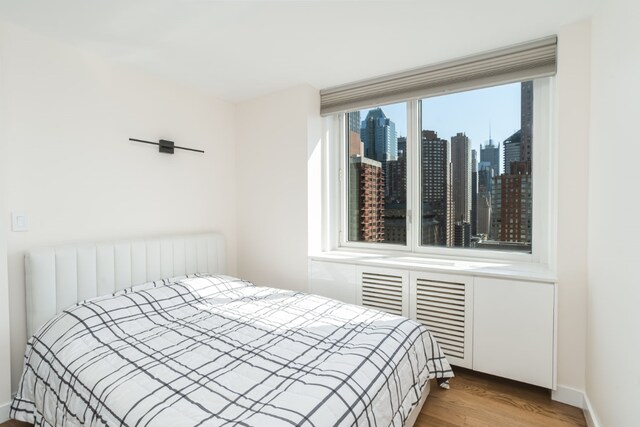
(59, 277)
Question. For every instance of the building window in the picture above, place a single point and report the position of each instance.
(460, 164)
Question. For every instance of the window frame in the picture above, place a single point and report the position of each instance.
(543, 190)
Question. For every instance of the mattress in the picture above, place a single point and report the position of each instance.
(216, 350)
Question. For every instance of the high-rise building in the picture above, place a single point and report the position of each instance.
(378, 133)
(461, 170)
(485, 177)
(437, 204)
(356, 147)
(395, 210)
(512, 213)
(474, 192)
(512, 205)
(402, 145)
(490, 153)
(366, 200)
(485, 185)
(512, 150)
(462, 234)
(484, 214)
(526, 119)
(395, 224)
(354, 121)
(396, 180)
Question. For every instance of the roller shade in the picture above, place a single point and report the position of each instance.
(521, 62)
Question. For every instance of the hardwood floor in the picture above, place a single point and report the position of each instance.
(13, 423)
(478, 400)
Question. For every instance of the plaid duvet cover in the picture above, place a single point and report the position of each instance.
(215, 350)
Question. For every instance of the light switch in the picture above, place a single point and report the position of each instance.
(19, 222)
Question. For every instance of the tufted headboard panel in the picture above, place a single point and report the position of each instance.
(59, 277)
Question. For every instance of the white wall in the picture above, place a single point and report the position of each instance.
(5, 354)
(613, 332)
(66, 118)
(276, 134)
(572, 119)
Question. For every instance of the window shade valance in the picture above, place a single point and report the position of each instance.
(516, 63)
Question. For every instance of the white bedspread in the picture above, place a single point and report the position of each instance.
(215, 350)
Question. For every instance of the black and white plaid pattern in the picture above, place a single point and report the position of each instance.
(215, 350)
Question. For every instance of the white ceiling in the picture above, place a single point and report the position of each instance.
(236, 50)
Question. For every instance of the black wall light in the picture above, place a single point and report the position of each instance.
(166, 146)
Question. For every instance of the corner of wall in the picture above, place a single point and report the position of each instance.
(572, 113)
(278, 157)
(589, 414)
(5, 348)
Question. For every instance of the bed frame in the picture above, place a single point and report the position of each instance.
(59, 277)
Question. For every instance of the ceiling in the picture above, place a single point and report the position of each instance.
(237, 50)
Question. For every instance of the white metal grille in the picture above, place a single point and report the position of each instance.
(382, 292)
(440, 306)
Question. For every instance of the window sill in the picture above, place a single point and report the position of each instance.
(498, 269)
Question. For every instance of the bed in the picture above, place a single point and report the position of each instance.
(152, 332)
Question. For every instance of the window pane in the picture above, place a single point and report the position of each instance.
(377, 191)
(475, 167)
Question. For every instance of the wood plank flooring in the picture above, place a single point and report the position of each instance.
(478, 400)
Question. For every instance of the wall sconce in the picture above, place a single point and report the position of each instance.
(166, 146)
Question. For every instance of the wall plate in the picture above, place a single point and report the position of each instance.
(19, 222)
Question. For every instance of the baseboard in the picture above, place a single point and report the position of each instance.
(579, 399)
(4, 411)
(590, 414)
(568, 395)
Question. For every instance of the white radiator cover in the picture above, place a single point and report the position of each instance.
(500, 325)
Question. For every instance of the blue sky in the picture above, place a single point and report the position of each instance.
(470, 112)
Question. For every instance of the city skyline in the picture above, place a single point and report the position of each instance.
(470, 198)
(479, 114)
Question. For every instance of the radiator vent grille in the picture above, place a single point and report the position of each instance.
(382, 292)
(440, 306)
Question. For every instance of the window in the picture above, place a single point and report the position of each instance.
(443, 158)
(475, 152)
(472, 173)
